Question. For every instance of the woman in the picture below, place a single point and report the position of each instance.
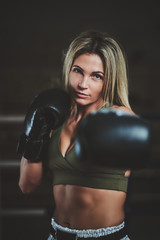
(95, 75)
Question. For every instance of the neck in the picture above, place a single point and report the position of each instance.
(81, 111)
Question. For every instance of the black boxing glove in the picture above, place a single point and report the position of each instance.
(113, 138)
(48, 111)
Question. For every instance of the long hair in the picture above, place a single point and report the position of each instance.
(115, 88)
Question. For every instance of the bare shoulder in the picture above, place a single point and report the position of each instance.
(126, 109)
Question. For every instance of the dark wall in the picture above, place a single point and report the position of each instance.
(33, 37)
(35, 34)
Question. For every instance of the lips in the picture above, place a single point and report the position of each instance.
(81, 95)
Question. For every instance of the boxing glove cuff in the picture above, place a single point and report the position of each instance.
(33, 150)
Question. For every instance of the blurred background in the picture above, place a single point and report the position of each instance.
(34, 37)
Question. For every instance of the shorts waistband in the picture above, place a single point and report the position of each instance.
(110, 233)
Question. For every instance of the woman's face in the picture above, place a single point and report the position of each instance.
(86, 79)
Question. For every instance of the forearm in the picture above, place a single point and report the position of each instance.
(47, 112)
(30, 175)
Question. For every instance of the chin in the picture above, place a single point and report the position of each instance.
(81, 102)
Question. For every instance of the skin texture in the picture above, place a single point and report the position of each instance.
(84, 207)
(80, 207)
(86, 81)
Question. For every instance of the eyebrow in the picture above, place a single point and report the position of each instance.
(83, 70)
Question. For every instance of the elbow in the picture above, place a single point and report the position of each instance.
(27, 188)
(24, 189)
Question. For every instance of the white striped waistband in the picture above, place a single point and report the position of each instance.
(89, 232)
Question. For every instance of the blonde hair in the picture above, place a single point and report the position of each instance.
(115, 88)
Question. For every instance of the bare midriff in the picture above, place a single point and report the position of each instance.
(87, 208)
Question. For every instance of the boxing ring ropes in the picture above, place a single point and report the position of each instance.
(15, 163)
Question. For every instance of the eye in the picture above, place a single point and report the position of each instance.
(77, 70)
(97, 76)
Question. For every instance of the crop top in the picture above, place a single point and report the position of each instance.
(67, 170)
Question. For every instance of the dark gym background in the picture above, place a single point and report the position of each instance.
(33, 38)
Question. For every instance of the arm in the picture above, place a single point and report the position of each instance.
(30, 175)
(46, 113)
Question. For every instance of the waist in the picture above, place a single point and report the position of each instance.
(94, 207)
(109, 233)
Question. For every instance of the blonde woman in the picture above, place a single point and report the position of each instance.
(89, 201)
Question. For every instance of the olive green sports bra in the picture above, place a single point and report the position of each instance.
(67, 170)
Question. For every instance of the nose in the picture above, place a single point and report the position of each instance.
(83, 82)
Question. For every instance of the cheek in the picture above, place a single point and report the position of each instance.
(71, 81)
(98, 88)
(74, 80)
